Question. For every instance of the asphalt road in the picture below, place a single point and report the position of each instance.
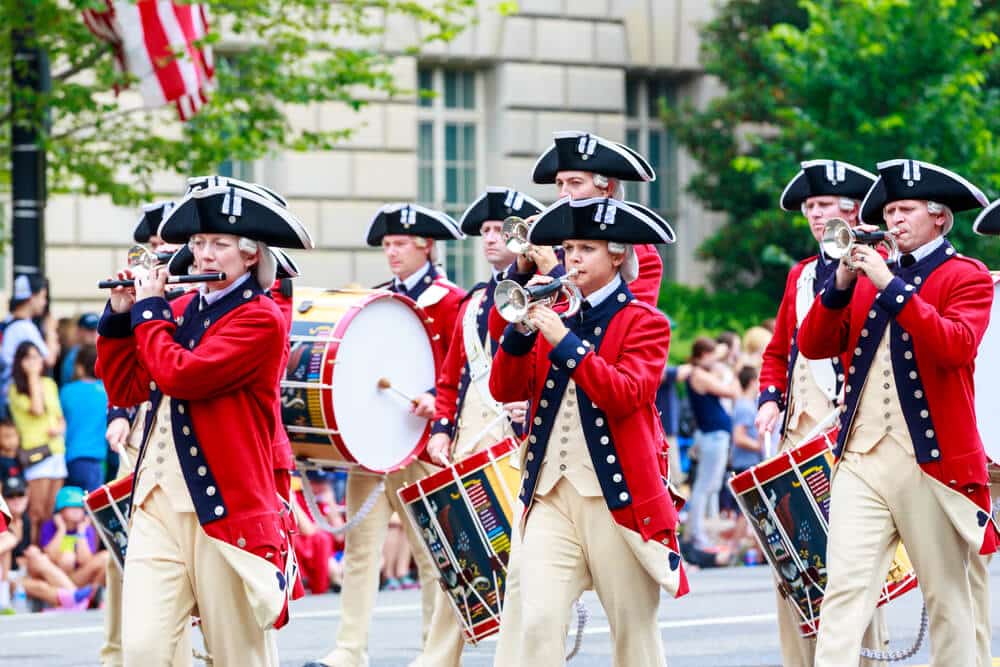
(727, 621)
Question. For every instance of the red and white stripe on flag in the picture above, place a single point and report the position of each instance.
(156, 42)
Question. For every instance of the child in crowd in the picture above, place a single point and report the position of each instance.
(15, 540)
(37, 414)
(67, 569)
(10, 445)
(84, 404)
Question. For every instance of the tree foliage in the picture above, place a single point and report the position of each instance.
(855, 80)
(270, 54)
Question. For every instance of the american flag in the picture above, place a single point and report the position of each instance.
(157, 42)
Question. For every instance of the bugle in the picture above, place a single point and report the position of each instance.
(512, 300)
(839, 238)
(515, 234)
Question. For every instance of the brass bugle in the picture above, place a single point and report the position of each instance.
(172, 280)
(839, 238)
(512, 300)
(515, 235)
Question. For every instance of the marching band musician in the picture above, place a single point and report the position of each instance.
(910, 462)
(581, 165)
(464, 408)
(406, 234)
(808, 390)
(208, 530)
(597, 509)
(124, 435)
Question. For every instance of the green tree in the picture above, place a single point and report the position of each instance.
(855, 80)
(276, 53)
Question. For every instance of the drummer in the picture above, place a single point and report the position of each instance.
(207, 530)
(466, 418)
(407, 234)
(597, 511)
(910, 462)
(808, 391)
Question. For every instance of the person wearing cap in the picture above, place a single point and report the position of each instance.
(466, 417)
(15, 538)
(583, 165)
(807, 390)
(910, 465)
(598, 512)
(407, 234)
(29, 301)
(208, 529)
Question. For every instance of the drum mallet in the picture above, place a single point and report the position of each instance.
(385, 383)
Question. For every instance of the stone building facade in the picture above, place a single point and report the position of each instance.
(500, 90)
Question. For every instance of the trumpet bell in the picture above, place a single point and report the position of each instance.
(515, 234)
(837, 238)
(511, 301)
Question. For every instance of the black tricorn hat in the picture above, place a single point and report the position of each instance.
(826, 177)
(182, 260)
(496, 204)
(581, 151)
(988, 221)
(228, 206)
(599, 218)
(152, 215)
(411, 220)
(913, 179)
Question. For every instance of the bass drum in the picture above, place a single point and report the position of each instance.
(987, 379)
(344, 344)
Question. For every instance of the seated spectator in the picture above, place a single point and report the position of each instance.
(35, 409)
(10, 446)
(67, 570)
(85, 334)
(315, 548)
(396, 557)
(85, 406)
(15, 540)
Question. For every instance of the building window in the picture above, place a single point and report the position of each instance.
(645, 132)
(233, 168)
(449, 155)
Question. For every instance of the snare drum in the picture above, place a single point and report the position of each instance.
(342, 343)
(108, 507)
(463, 515)
(786, 500)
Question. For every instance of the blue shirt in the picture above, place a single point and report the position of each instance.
(85, 407)
(744, 413)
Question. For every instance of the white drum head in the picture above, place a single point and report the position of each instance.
(385, 339)
(987, 380)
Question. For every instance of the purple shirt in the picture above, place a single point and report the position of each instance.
(48, 531)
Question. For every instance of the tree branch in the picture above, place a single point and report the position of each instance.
(91, 59)
(114, 115)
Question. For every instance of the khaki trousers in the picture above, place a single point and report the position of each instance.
(979, 581)
(362, 553)
(799, 651)
(172, 568)
(571, 543)
(878, 498)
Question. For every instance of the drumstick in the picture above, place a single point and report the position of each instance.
(124, 457)
(385, 383)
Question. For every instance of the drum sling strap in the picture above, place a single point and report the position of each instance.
(476, 354)
(822, 370)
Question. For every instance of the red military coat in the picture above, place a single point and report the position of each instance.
(646, 286)
(221, 367)
(624, 435)
(937, 312)
(782, 350)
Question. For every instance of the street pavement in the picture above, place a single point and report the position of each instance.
(727, 620)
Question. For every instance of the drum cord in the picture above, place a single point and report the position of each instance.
(582, 616)
(897, 655)
(363, 511)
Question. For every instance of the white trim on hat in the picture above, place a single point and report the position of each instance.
(253, 195)
(973, 190)
(449, 222)
(826, 162)
(285, 261)
(216, 181)
(618, 204)
(982, 218)
(573, 134)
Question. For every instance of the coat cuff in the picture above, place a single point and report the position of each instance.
(115, 412)
(443, 425)
(771, 393)
(834, 298)
(895, 295)
(569, 352)
(515, 343)
(153, 309)
(114, 325)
